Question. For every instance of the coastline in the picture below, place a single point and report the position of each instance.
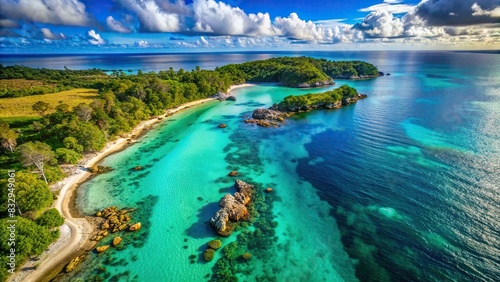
(76, 231)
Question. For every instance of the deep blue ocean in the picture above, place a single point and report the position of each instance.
(401, 186)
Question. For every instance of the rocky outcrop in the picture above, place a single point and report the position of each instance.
(115, 220)
(74, 263)
(102, 249)
(275, 116)
(224, 96)
(315, 84)
(232, 208)
(347, 101)
(135, 227)
(116, 241)
(267, 117)
(244, 188)
(235, 208)
(356, 77)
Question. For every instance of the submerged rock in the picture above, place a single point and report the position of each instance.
(116, 241)
(102, 249)
(246, 256)
(73, 263)
(233, 173)
(222, 125)
(135, 227)
(215, 244)
(208, 255)
(269, 190)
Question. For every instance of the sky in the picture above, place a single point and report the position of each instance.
(59, 26)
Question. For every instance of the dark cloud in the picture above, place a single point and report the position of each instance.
(457, 12)
(7, 23)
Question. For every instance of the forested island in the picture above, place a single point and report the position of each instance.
(43, 147)
(333, 99)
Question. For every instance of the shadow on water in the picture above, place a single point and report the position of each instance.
(201, 229)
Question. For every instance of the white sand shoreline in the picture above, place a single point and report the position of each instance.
(75, 232)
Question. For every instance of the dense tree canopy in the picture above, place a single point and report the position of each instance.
(50, 218)
(32, 194)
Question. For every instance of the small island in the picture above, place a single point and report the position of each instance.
(333, 99)
(301, 72)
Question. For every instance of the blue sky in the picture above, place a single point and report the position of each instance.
(32, 26)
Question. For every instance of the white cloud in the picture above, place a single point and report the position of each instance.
(388, 6)
(382, 24)
(117, 26)
(95, 38)
(393, 1)
(63, 12)
(330, 23)
(221, 18)
(152, 17)
(478, 11)
(296, 28)
(47, 34)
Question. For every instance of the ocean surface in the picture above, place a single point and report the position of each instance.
(401, 186)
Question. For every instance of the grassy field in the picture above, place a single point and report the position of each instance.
(16, 84)
(20, 108)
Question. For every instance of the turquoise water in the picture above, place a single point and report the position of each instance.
(402, 186)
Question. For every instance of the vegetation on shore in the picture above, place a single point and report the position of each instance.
(295, 72)
(309, 101)
(62, 132)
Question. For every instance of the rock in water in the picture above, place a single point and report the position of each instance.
(102, 249)
(222, 125)
(268, 114)
(232, 208)
(73, 264)
(116, 241)
(233, 173)
(135, 227)
(243, 187)
(219, 220)
(269, 190)
(235, 209)
(208, 255)
(215, 244)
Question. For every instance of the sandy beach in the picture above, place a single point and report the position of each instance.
(76, 231)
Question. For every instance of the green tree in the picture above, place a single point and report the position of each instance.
(67, 156)
(41, 107)
(31, 193)
(90, 136)
(31, 240)
(50, 218)
(71, 143)
(8, 137)
(37, 154)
